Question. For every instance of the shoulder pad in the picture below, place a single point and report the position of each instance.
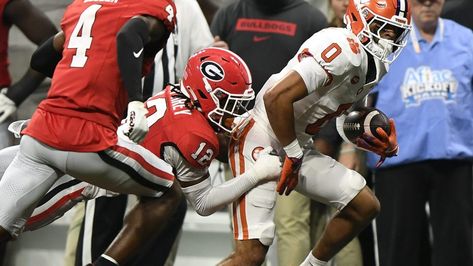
(337, 50)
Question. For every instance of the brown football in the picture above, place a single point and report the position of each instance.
(365, 120)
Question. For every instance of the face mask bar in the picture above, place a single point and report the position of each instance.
(384, 49)
(229, 106)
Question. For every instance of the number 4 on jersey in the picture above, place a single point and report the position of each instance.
(84, 41)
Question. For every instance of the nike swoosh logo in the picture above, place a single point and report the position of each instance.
(138, 54)
(260, 39)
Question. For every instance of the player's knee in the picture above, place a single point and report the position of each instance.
(364, 207)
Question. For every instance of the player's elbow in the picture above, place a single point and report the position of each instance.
(204, 211)
(271, 99)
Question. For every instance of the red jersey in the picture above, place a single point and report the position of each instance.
(5, 79)
(87, 98)
(172, 123)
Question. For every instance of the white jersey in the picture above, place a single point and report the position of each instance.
(333, 65)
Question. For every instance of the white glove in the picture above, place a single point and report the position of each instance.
(7, 107)
(135, 126)
(267, 166)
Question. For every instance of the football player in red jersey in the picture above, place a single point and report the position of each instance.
(186, 123)
(98, 60)
(37, 28)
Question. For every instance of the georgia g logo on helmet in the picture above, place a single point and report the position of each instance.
(212, 71)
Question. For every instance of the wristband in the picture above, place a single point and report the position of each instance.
(293, 150)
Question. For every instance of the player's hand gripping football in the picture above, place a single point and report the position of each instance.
(384, 145)
(267, 166)
(289, 175)
(7, 107)
(135, 125)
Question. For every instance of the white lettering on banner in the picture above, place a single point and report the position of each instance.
(424, 83)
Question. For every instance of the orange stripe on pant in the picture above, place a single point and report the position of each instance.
(241, 203)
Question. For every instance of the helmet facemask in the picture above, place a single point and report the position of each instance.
(385, 50)
(229, 106)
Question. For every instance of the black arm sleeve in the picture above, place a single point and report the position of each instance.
(45, 58)
(131, 39)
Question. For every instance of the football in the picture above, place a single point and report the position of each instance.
(365, 120)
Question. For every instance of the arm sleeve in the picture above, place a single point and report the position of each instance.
(131, 39)
(45, 58)
(204, 197)
(207, 199)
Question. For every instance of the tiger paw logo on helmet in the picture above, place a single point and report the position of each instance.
(382, 26)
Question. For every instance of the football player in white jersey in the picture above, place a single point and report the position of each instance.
(332, 70)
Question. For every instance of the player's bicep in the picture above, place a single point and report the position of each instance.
(289, 88)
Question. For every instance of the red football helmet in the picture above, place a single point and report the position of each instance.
(394, 15)
(219, 82)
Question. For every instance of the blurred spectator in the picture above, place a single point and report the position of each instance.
(37, 28)
(459, 11)
(337, 9)
(266, 33)
(209, 7)
(426, 191)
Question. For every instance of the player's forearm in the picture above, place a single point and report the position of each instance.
(208, 199)
(131, 39)
(19, 91)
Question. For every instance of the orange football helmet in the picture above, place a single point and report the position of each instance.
(394, 15)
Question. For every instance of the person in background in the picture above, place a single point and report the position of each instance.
(459, 11)
(426, 191)
(37, 27)
(336, 11)
(266, 33)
